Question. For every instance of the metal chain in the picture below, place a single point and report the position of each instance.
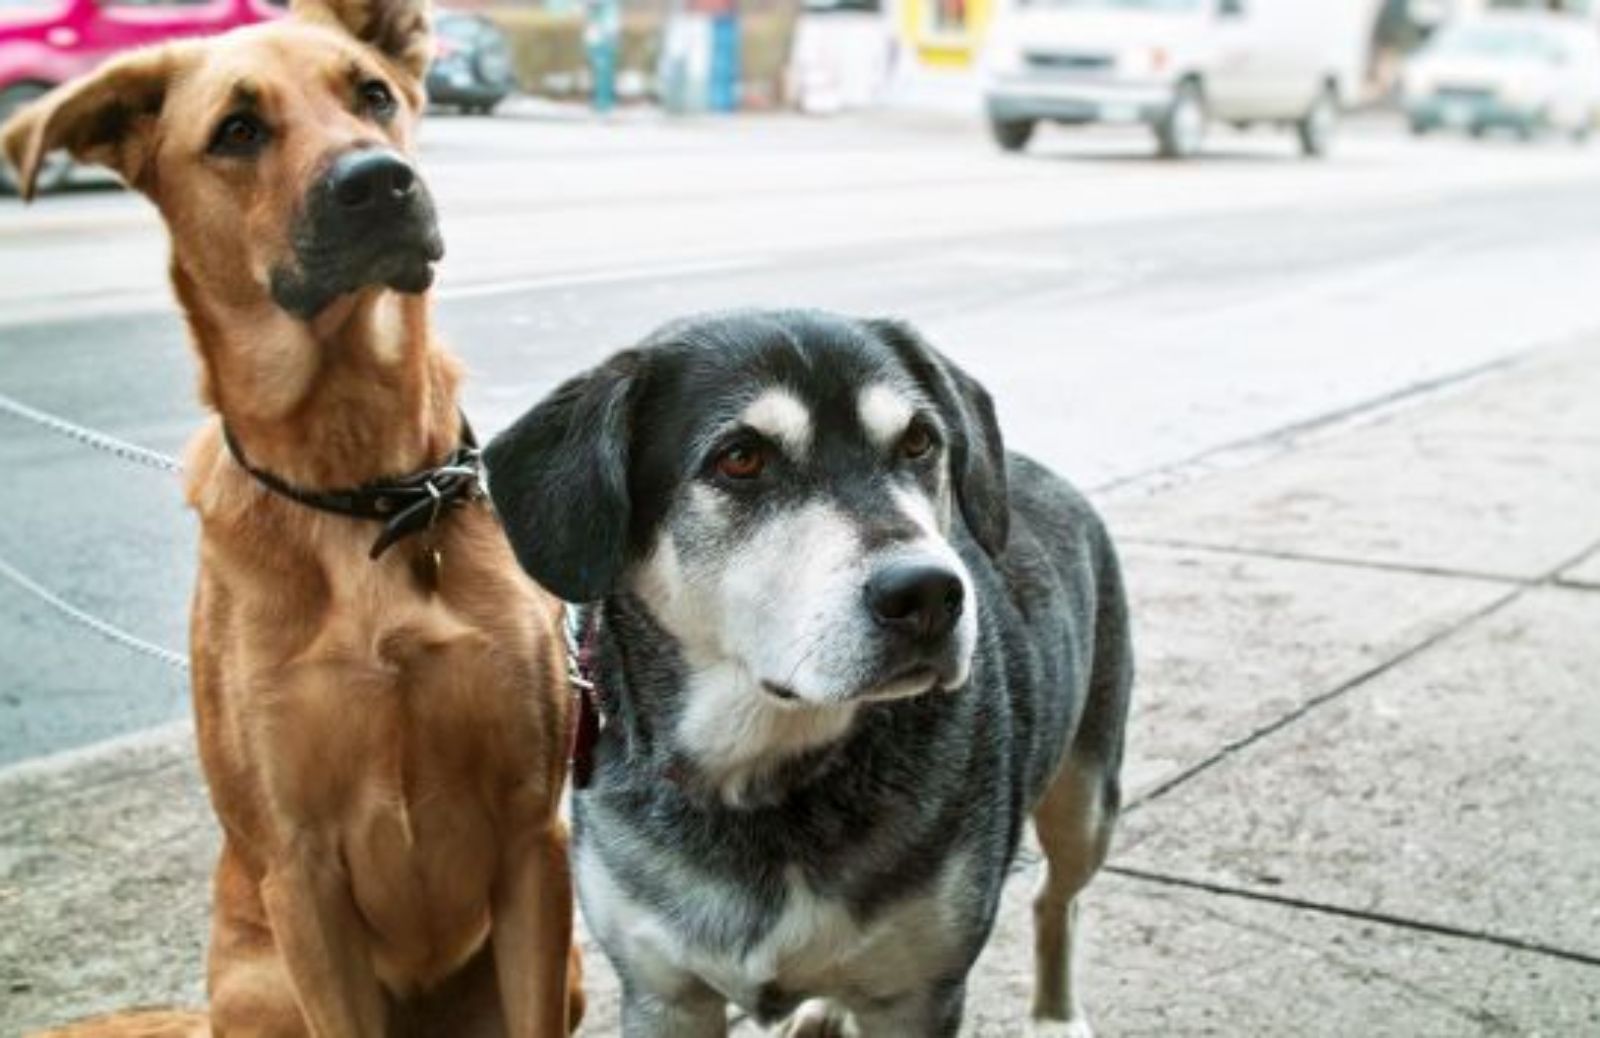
(128, 452)
(98, 440)
(101, 627)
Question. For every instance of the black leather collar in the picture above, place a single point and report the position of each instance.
(404, 504)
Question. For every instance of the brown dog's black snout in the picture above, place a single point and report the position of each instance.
(920, 600)
(372, 181)
(368, 220)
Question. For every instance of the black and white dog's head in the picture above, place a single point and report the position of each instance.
(781, 490)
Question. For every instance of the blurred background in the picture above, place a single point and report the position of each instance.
(1156, 227)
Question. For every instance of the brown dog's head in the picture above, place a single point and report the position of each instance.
(279, 155)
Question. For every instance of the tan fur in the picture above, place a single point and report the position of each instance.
(386, 758)
(136, 1023)
(1075, 834)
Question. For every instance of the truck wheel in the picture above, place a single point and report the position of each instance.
(1011, 134)
(56, 168)
(1316, 128)
(1182, 130)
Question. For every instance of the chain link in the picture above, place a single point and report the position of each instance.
(98, 440)
(101, 627)
(117, 448)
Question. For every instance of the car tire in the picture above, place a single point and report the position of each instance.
(1182, 130)
(1420, 127)
(56, 169)
(1012, 135)
(1317, 127)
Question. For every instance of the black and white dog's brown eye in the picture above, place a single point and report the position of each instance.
(377, 99)
(743, 461)
(917, 441)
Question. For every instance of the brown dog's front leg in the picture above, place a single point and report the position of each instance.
(320, 938)
(532, 934)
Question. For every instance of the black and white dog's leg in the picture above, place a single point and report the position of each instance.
(691, 1011)
(1074, 832)
(932, 1012)
(1057, 1010)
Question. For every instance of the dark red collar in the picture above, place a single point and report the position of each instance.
(582, 627)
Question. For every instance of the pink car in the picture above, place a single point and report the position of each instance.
(46, 42)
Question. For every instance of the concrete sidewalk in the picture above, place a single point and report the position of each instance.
(1363, 771)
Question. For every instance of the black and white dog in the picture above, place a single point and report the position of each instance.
(846, 645)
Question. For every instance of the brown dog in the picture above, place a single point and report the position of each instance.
(383, 737)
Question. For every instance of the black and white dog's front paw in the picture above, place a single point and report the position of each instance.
(819, 1018)
(1077, 1027)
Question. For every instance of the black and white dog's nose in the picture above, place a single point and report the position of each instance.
(918, 599)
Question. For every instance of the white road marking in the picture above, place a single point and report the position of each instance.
(600, 277)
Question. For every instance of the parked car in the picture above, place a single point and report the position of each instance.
(1176, 65)
(471, 67)
(1521, 72)
(44, 43)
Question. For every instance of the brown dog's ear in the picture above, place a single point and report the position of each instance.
(398, 29)
(107, 118)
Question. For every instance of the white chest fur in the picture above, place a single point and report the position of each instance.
(817, 946)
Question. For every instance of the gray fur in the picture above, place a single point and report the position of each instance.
(859, 856)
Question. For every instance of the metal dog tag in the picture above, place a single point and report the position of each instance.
(427, 565)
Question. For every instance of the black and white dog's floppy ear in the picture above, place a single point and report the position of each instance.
(559, 479)
(977, 453)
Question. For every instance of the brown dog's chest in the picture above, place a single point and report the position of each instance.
(399, 736)
(405, 768)
(420, 849)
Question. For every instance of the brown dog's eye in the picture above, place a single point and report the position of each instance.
(745, 461)
(378, 99)
(239, 136)
(917, 441)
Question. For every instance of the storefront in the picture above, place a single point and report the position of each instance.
(938, 45)
(942, 34)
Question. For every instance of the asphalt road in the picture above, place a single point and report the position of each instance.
(1134, 318)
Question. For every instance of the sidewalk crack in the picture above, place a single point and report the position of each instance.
(1550, 579)
(1364, 915)
(1280, 440)
(1232, 747)
(1276, 555)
